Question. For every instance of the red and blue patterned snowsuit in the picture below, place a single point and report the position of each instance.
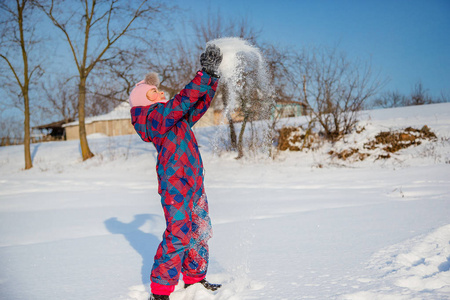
(180, 176)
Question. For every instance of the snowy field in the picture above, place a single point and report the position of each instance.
(300, 227)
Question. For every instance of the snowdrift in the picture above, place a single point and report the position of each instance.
(304, 226)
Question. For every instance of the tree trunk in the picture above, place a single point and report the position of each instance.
(233, 138)
(85, 151)
(26, 136)
(26, 84)
(240, 145)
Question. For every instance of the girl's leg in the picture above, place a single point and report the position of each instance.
(196, 260)
(176, 238)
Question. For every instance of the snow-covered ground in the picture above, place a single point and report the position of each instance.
(283, 229)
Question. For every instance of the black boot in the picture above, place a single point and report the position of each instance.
(206, 284)
(158, 297)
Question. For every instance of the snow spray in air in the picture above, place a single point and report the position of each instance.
(243, 74)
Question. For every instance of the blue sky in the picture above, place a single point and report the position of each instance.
(406, 40)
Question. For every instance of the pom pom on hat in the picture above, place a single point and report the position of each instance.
(138, 96)
(152, 79)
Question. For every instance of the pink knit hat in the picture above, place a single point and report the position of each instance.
(138, 96)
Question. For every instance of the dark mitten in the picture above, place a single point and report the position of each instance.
(211, 59)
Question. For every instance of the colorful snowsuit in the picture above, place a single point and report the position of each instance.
(180, 176)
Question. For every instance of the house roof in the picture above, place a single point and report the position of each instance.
(122, 111)
(282, 101)
(56, 124)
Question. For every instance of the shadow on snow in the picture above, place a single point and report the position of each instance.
(144, 243)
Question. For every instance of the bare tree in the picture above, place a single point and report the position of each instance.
(17, 40)
(251, 105)
(60, 96)
(116, 76)
(11, 129)
(175, 63)
(283, 83)
(93, 29)
(336, 89)
(419, 95)
(284, 86)
(443, 97)
(216, 26)
(390, 99)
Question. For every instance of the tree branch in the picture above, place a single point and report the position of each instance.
(49, 14)
(110, 41)
(13, 70)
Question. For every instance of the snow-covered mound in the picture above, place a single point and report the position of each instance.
(424, 128)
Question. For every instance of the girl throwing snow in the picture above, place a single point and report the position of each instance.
(168, 125)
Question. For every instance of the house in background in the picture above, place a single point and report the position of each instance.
(290, 109)
(50, 132)
(118, 121)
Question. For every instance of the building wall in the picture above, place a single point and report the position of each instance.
(109, 128)
(72, 132)
(290, 110)
(208, 119)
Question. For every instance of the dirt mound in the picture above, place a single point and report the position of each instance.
(296, 139)
(393, 141)
(348, 153)
(389, 142)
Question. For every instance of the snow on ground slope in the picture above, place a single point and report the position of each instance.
(283, 229)
(415, 269)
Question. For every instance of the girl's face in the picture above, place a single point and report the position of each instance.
(156, 96)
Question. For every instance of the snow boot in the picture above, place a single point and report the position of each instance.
(206, 284)
(158, 297)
